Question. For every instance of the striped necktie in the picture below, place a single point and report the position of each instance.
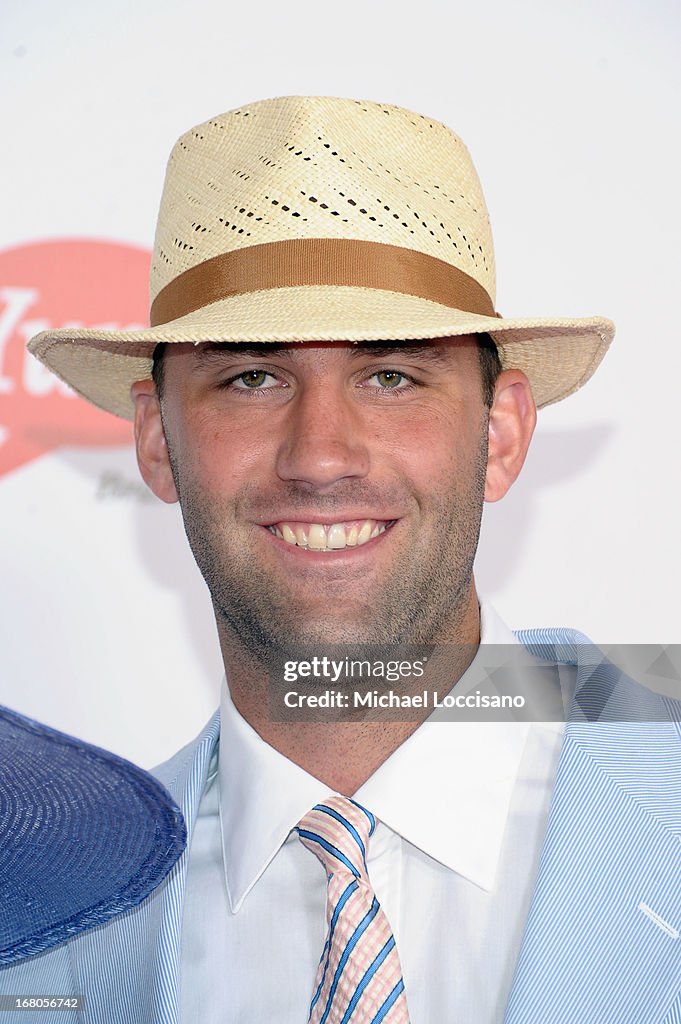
(359, 978)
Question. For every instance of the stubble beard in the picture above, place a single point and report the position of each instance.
(423, 605)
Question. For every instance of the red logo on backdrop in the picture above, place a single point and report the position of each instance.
(69, 283)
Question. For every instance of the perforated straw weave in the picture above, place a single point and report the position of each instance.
(316, 218)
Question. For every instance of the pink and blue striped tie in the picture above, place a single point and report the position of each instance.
(359, 978)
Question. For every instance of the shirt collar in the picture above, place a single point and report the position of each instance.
(447, 789)
(262, 796)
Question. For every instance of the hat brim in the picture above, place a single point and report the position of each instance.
(557, 355)
(86, 835)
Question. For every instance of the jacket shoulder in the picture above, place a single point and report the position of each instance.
(173, 772)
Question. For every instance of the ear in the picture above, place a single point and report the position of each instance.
(150, 441)
(511, 424)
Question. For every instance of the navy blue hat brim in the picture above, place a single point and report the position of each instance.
(84, 835)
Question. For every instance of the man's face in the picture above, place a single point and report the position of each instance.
(286, 458)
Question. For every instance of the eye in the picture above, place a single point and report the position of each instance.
(251, 379)
(390, 380)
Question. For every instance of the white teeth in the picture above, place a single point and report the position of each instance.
(365, 533)
(288, 534)
(316, 537)
(335, 537)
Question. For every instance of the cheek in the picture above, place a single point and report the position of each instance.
(221, 453)
(438, 444)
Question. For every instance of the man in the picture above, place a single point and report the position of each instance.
(328, 391)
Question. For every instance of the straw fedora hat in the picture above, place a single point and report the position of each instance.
(309, 218)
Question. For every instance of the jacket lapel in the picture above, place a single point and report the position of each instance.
(149, 935)
(602, 936)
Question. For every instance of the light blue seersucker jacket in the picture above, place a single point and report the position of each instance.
(601, 943)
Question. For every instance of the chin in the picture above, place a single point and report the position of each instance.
(322, 632)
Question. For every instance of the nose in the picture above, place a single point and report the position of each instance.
(323, 439)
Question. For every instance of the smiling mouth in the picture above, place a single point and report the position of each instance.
(331, 536)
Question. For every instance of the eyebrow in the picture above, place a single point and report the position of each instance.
(433, 353)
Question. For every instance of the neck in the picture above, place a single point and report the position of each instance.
(342, 754)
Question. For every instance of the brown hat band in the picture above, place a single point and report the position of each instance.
(319, 261)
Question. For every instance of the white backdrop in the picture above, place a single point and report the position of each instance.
(571, 115)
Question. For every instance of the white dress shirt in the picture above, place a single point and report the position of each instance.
(462, 809)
